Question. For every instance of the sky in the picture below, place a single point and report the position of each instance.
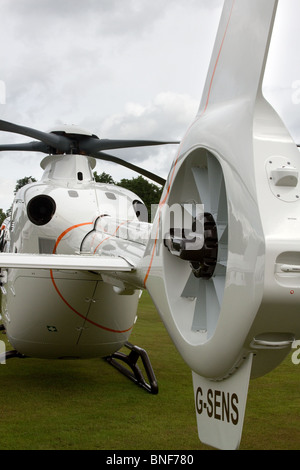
(122, 69)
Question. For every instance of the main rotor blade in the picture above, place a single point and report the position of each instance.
(119, 161)
(27, 147)
(93, 145)
(56, 141)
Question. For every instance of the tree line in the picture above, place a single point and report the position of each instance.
(148, 192)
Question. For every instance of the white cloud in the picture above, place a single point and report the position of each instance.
(166, 117)
(123, 69)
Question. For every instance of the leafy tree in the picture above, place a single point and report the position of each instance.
(148, 192)
(103, 178)
(3, 216)
(19, 184)
(22, 182)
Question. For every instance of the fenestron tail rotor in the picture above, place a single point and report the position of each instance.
(72, 140)
(206, 281)
(197, 253)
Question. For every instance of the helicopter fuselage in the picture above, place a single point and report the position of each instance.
(70, 313)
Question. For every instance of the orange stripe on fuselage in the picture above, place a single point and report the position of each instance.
(60, 294)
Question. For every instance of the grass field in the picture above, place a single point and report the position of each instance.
(88, 405)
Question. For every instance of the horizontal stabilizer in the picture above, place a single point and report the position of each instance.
(64, 262)
(220, 407)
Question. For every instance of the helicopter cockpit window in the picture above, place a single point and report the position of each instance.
(141, 211)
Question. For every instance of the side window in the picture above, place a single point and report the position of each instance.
(2, 233)
(141, 211)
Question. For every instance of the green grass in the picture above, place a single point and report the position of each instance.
(88, 405)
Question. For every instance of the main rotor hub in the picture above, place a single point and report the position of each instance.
(77, 136)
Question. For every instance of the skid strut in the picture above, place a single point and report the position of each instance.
(10, 355)
(135, 374)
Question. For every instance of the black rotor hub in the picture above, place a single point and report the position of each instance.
(205, 266)
(202, 251)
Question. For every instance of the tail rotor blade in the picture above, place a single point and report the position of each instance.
(201, 181)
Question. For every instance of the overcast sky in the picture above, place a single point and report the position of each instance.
(122, 69)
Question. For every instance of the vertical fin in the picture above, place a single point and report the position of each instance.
(239, 56)
(220, 407)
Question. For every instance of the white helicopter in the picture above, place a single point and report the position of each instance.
(81, 309)
(223, 272)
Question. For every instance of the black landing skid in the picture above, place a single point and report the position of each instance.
(10, 355)
(130, 368)
(135, 374)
